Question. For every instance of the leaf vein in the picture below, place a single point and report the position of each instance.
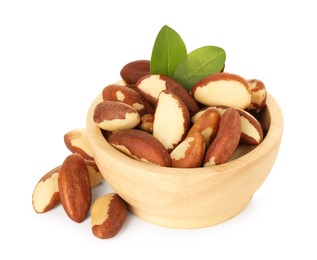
(200, 68)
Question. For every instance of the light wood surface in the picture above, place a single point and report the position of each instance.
(188, 198)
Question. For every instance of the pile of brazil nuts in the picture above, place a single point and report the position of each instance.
(70, 184)
(154, 119)
(209, 119)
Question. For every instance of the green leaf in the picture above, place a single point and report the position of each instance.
(199, 64)
(168, 50)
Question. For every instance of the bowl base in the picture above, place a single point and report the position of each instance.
(192, 222)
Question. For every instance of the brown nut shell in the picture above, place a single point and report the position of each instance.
(190, 152)
(95, 175)
(133, 71)
(206, 124)
(128, 96)
(74, 187)
(251, 130)
(46, 193)
(151, 86)
(108, 215)
(222, 89)
(258, 95)
(146, 123)
(140, 145)
(77, 142)
(226, 140)
(114, 116)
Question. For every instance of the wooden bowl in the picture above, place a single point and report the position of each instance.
(188, 198)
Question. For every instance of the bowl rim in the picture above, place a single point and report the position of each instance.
(273, 137)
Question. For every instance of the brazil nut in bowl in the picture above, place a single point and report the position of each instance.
(188, 197)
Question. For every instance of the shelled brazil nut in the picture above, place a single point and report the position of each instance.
(178, 109)
(70, 185)
(192, 97)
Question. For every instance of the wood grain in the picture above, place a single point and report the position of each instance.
(188, 198)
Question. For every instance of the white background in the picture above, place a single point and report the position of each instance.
(56, 56)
